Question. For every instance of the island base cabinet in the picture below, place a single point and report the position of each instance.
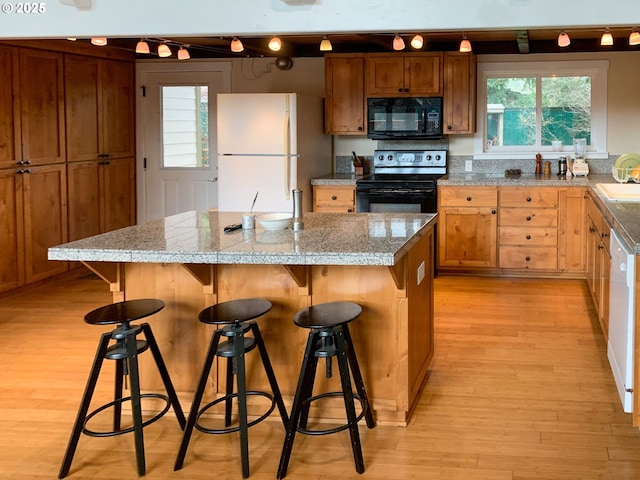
(393, 337)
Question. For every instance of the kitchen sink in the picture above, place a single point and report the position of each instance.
(620, 192)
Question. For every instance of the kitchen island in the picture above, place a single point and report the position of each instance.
(384, 262)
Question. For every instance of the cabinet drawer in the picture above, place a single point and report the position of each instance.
(528, 217)
(536, 258)
(334, 196)
(541, 236)
(468, 196)
(528, 197)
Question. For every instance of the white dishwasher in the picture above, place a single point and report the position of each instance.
(621, 319)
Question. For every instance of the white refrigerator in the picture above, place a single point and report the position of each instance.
(270, 143)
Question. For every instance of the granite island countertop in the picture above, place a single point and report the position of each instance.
(198, 237)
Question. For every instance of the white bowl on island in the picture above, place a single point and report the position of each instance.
(274, 221)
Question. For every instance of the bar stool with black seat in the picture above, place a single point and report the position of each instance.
(236, 317)
(329, 337)
(124, 350)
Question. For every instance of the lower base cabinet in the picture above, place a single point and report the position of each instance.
(511, 230)
(33, 209)
(598, 263)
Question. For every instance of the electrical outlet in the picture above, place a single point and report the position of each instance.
(468, 165)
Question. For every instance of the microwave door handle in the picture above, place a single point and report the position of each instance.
(424, 120)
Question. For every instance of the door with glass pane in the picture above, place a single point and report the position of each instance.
(178, 142)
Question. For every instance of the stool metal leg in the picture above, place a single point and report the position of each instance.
(308, 389)
(164, 374)
(117, 393)
(197, 399)
(347, 392)
(306, 376)
(136, 407)
(270, 373)
(357, 378)
(84, 404)
(242, 402)
(228, 403)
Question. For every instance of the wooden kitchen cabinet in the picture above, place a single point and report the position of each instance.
(41, 99)
(400, 75)
(528, 228)
(32, 129)
(100, 196)
(598, 262)
(334, 198)
(535, 230)
(345, 104)
(459, 93)
(9, 126)
(34, 218)
(100, 102)
(467, 227)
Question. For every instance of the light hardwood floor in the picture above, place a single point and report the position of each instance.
(519, 389)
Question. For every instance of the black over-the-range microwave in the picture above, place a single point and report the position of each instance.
(404, 117)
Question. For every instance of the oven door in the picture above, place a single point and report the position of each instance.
(396, 200)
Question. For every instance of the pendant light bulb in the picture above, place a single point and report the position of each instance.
(275, 44)
(236, 45)
(607, 38)
(99, 41)
(325, 44)
(465, 45)
(634, 38)
(183, 54)
(164, 50)
(417, 41)
(563, 39)
(142, 47)
(398, 42)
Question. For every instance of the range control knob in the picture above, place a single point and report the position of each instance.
(428, 156)
(390, 157)
(438, 157)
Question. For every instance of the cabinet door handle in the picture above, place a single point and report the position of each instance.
(349, 210)
(528, 199)
(468, 199)
(449, 127)
(360, 128)
(528, 259)
(493, 212)
(24, 170)
(528, 237)
(333, 197)
(399, 90)
(528, 219)
(605, 235)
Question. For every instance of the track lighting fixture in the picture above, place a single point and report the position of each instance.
(99, 41)
(607, 38)
(634, 37)
(417, 41)
(275, 44)
(325, 44)
(183, 53)
(563, 39)
(142, 47)
(164, 50)
(465, 44)
(398, 42)
(236, 45)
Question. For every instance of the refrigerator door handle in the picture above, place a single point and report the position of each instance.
(287, 167)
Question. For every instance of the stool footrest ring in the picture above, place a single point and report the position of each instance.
(217, 431)
(112, 433)
(340, 428)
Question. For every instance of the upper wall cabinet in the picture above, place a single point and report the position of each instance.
(404, 75)
(344, 100)
(459, 93)
(99, 108)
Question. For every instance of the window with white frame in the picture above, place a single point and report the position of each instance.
(530, 107)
